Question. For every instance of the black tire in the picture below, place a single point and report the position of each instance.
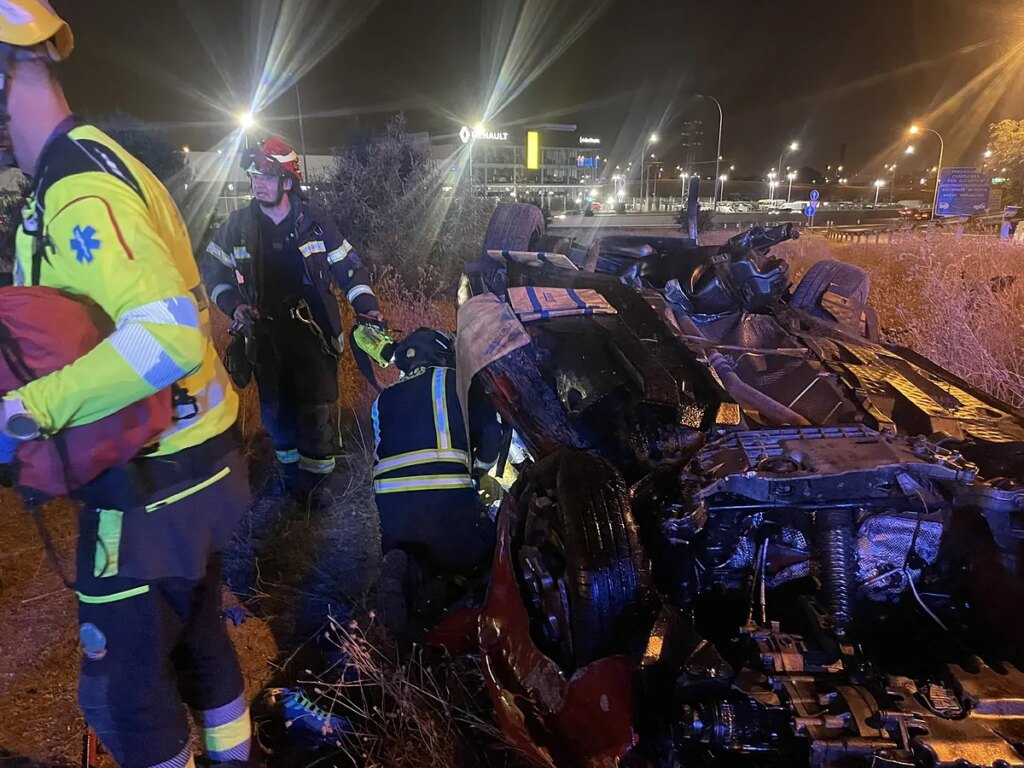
(514, 227)
(606, 574)
(846, 280)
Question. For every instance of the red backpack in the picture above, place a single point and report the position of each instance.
(41, 331)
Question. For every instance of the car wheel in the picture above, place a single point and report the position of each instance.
(580, 560)
(836, 291)
(514, 227)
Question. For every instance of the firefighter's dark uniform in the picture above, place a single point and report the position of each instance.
(422, 479)
(286, 272)
(99, 225)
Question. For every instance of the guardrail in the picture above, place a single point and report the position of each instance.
(892, 232)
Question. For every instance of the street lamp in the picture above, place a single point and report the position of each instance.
(771, 185)
(790, 176)
(302, 133)
(878, 188)
(793, 147)
(892, 187)
(723, 178)
(915, 130)
(682, 184)
(245, 122)
(653, 139)
(718, 154)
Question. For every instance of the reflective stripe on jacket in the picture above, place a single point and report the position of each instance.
(232, 268)
(420, 435)
(102, 227)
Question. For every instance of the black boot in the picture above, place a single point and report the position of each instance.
(287, 478)
(313, 490)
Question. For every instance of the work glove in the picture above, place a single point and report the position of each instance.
(245, 316)
(371, 336)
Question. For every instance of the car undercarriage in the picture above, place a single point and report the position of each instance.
(749, 532)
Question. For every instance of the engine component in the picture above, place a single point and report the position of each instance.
(736, 724)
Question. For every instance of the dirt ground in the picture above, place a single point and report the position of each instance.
(287, 568)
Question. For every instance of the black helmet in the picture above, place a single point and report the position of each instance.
(425, 348)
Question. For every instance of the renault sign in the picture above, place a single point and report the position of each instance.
(481, 134)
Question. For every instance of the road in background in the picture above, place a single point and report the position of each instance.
(728, 220)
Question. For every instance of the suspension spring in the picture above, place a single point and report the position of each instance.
(837, 556)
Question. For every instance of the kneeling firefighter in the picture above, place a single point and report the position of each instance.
(432, 520)
(270, 267)
(100, 228)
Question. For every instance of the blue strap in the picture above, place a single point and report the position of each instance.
(575, 297)
(531, 294)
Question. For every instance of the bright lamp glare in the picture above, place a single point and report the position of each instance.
(245, 120)
(914, 130)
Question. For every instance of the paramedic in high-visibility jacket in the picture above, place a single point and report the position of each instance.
(271, 267)
(423, 462)
(101, 227)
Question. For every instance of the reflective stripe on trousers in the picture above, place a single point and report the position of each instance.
(423, 483)
(227, 731)
(316, 466)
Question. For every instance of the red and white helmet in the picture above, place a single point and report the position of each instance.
(273, 157)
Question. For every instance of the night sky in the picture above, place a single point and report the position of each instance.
(825, 73)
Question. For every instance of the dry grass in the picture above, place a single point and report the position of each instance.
(426, 710)
(960, 304)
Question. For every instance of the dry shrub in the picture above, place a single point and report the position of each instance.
(403, 210)
(414, 712)
(957, 303)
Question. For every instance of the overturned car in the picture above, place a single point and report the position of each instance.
(749, 533)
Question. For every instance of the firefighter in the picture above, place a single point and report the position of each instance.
(270, 267)
(430, 511)
(100, 226)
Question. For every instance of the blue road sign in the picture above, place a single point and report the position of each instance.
(809, 210)
(962, 192)
(814, 195)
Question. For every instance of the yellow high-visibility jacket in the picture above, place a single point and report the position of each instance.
(101, 226)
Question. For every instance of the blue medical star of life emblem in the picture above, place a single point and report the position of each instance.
(84, 242)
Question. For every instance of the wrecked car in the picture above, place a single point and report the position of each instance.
(749, 532)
